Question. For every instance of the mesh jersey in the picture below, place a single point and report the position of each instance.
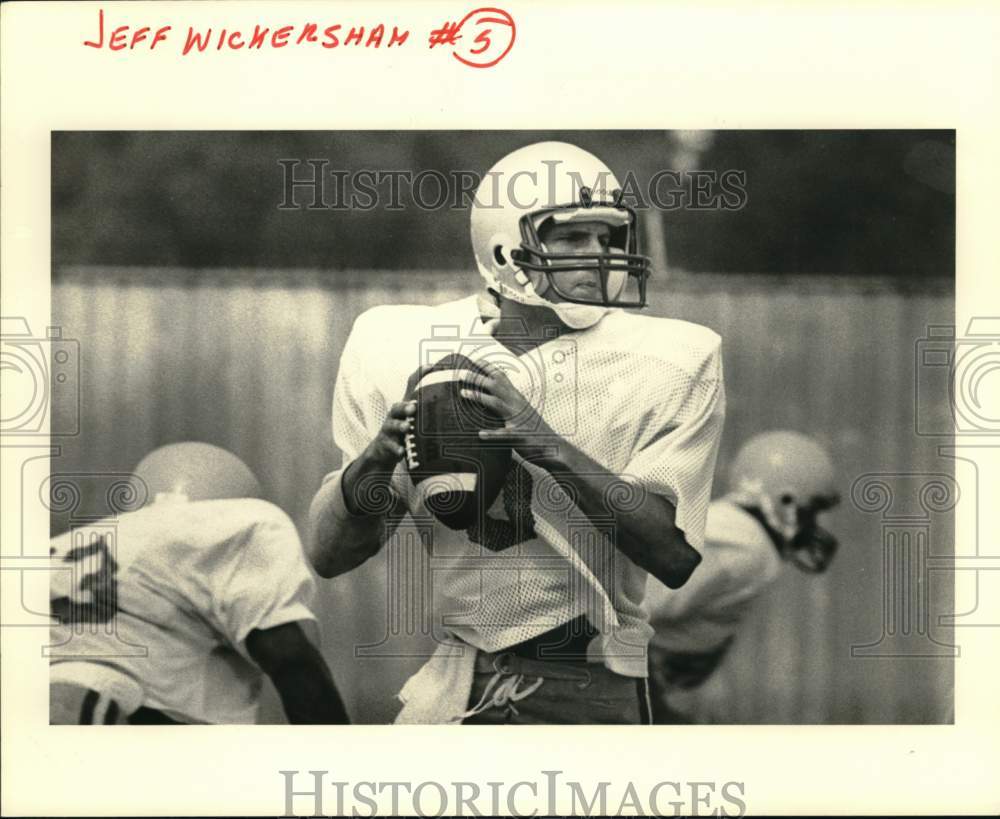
(167, 594)
(739, 562)
(641, 396)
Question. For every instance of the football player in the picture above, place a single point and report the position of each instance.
(779, 483)
(614, 421)
(175, 612)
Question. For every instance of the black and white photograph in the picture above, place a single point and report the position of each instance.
(504, 427)
(379, 376)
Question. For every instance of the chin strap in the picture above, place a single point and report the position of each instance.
(489, 310)
(580, 316)
(574, 316)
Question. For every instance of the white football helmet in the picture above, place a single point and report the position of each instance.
(559, 182)
(789, 479)
(191, 471)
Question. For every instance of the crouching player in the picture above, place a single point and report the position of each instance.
(779, 483)
(202, 593)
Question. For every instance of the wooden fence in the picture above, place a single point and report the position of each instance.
(247, 360)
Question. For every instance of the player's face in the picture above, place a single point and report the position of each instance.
(591, 238)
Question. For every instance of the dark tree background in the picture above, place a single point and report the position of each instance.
(832, 202)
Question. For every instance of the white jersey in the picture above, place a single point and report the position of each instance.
(739, 562)
(168, 594)
(641, 396)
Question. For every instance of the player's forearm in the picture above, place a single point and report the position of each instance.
(308, 694)
(348, 521)
(299, 673)
(645, 528)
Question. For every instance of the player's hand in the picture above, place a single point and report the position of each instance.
(524, 428)
(387, 449)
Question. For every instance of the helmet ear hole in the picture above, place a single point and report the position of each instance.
(498, 255)
(787, 499)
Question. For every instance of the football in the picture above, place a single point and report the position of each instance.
(457, 476)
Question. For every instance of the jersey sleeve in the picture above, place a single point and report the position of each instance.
(359, 409)
(267, 582)
(676, 452)
(359, 406)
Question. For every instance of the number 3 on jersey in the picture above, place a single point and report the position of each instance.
(94, 597)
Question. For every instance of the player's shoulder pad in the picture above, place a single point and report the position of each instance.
(64, 541)
(248, 514)
(412, 320)
(731, 527)
(268, 526)
(263, 510)
(683, 343)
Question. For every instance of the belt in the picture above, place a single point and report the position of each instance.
(564, 644)
(513, 679)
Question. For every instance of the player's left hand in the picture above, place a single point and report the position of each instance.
(524, 428)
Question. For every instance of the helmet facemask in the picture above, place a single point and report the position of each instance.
(622, 271)
(797, 533)
(812, 547)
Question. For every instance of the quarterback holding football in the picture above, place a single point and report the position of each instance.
(560, 445)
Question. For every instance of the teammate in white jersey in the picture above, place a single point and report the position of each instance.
(614, 419)
(778, 484)
(175, 612)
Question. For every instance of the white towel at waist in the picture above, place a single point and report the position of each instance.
(438, 694)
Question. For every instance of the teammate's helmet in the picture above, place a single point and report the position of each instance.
(789, 478)
(555, 183)
(193, 471)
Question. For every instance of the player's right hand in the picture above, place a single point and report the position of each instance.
(365, 481)
(387, 449)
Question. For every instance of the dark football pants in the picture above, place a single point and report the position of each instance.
(506, 691)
